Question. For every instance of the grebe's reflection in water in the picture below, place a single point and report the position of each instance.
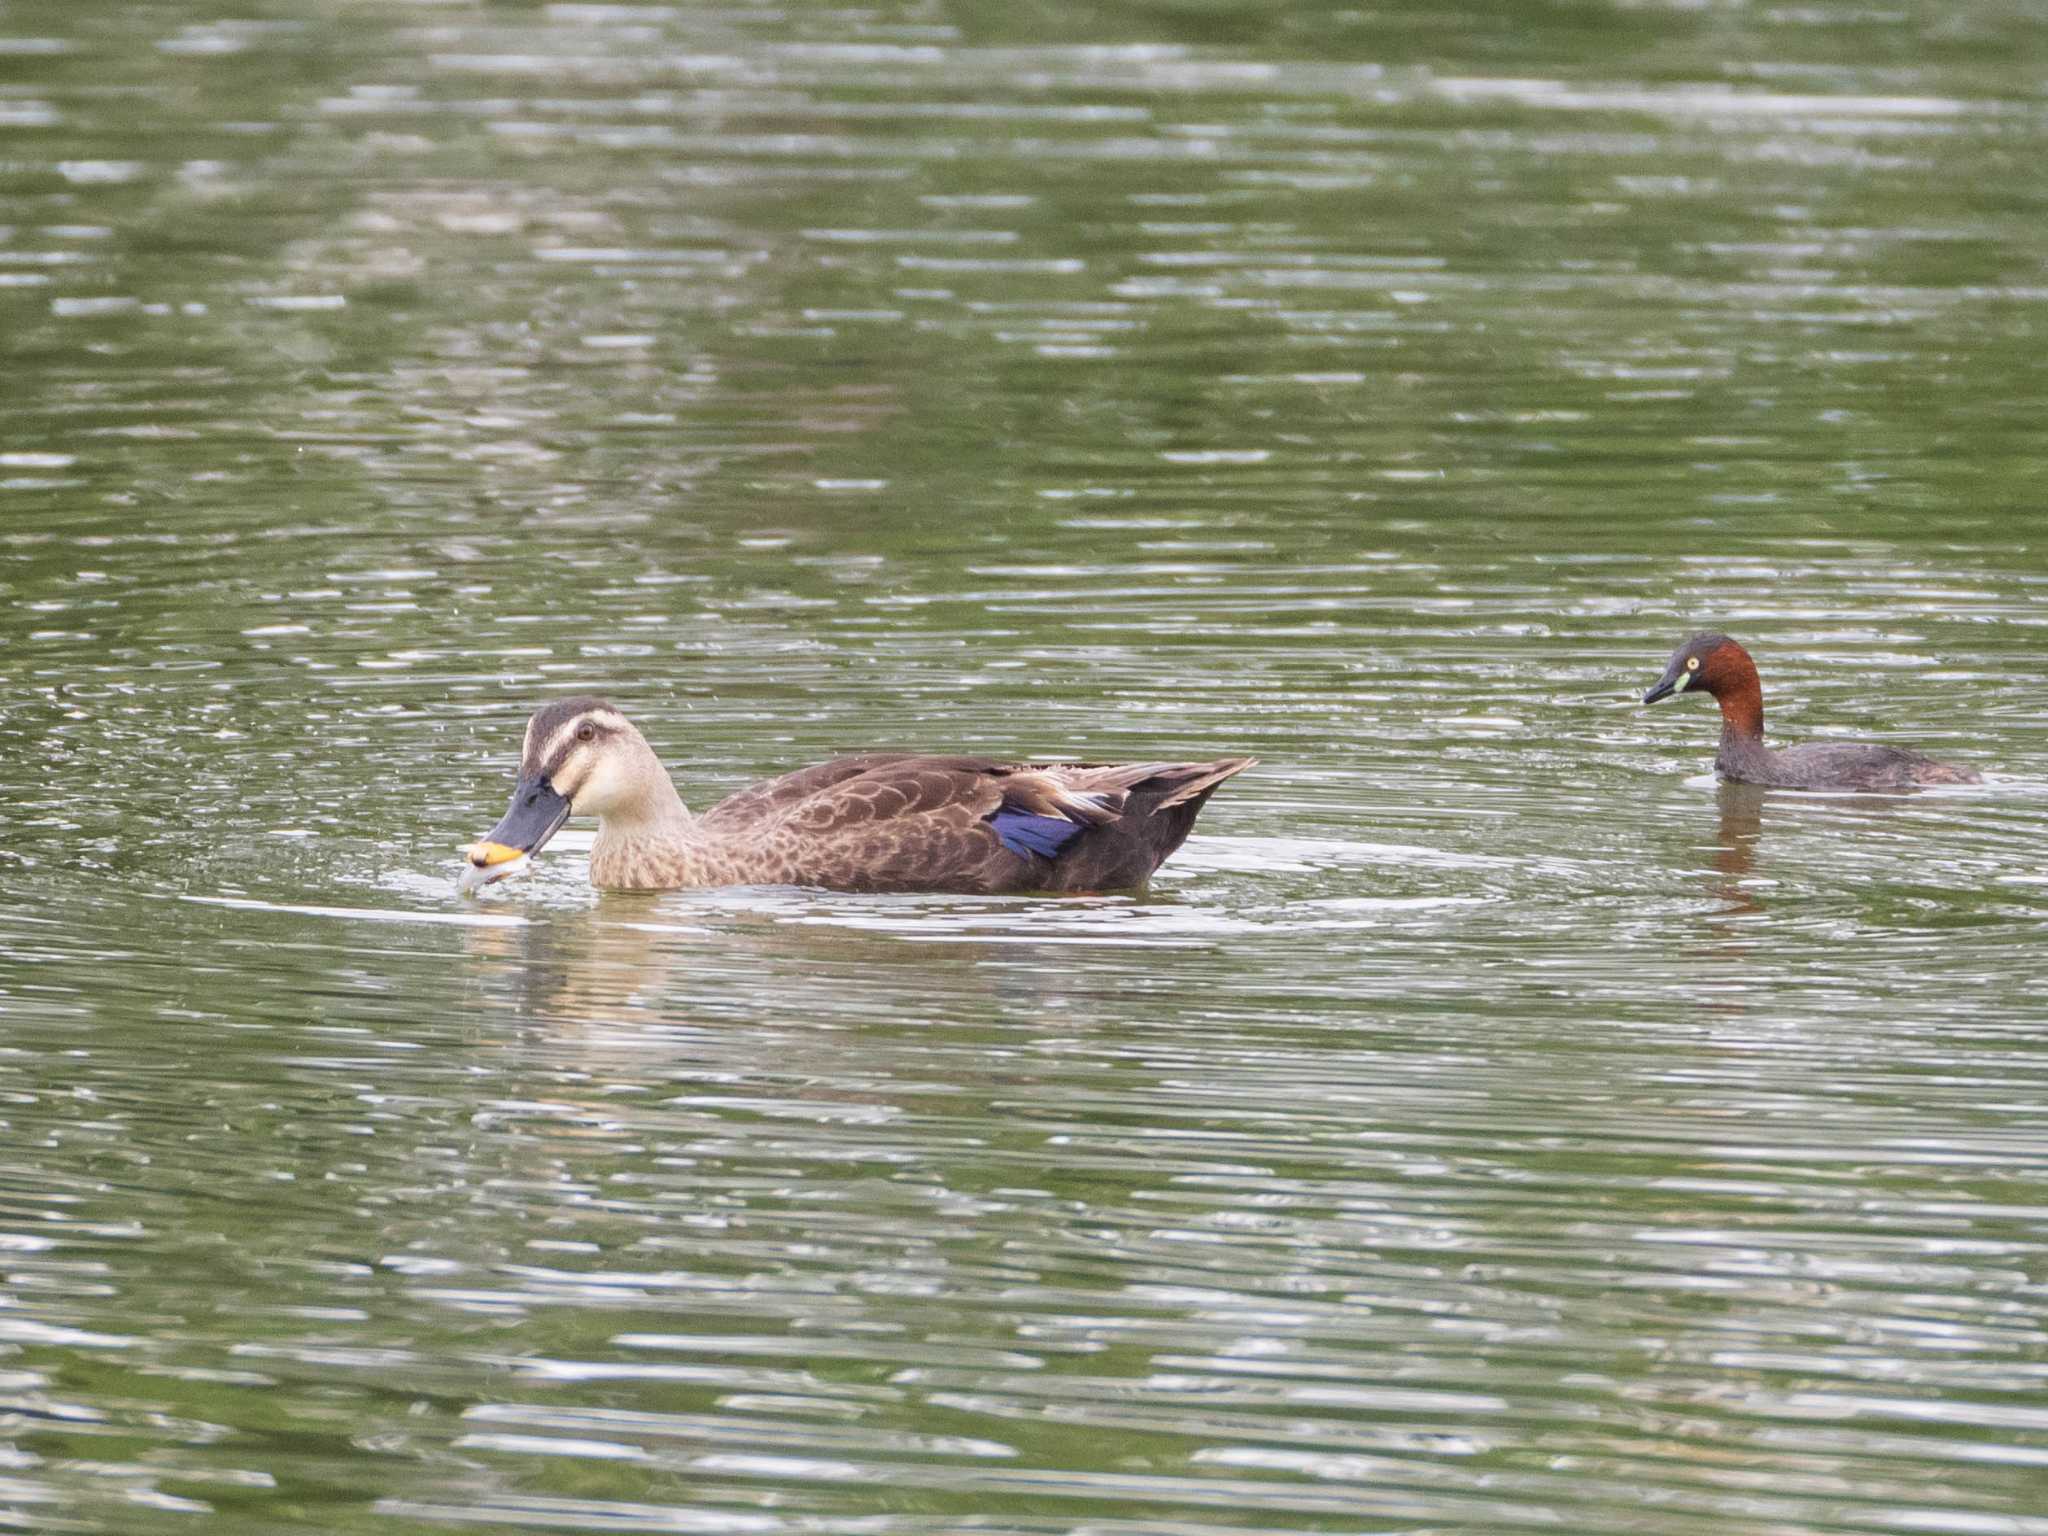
(1734, 859)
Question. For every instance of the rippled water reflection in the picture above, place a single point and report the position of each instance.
(1485, 1123)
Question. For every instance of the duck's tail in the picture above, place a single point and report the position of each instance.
(1196, 780)
(1153, 808)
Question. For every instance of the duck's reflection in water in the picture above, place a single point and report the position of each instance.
(660, 962)
(713, 1023)
(635, 970)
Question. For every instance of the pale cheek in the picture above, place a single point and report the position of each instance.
(595, 789)
(571, 779)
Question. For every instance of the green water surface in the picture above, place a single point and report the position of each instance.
(1484, 1125)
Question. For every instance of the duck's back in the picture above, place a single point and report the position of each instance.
(772, 799)
(900, 821)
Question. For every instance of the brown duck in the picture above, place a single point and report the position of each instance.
(875, 821)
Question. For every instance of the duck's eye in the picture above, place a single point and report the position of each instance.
(1692, 664)
(586, 732)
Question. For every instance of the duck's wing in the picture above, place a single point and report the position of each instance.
(772, 798)
(952, 791)
(889, 820)
(901, 820)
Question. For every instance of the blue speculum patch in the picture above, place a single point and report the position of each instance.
(1022, 832)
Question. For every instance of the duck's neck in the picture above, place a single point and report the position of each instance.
(650, 843)
(1742, 722)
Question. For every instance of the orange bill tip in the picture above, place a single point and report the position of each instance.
(485, 855)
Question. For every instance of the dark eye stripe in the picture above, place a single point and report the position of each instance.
(598, 734)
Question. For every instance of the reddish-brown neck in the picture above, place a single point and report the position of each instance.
(1731, 677)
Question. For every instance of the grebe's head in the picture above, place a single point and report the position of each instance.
(1705, 663)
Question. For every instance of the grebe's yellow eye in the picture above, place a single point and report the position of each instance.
(1692, 663)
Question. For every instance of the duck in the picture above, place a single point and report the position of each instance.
(871, 821)
(1714, 664)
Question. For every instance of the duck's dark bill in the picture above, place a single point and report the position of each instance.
(535, 815)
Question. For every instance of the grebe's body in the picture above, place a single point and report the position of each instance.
(1714, 664)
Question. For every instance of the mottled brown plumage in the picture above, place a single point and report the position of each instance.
(874, 821)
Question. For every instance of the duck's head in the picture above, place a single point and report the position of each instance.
(581, 758)
(1706, 663)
